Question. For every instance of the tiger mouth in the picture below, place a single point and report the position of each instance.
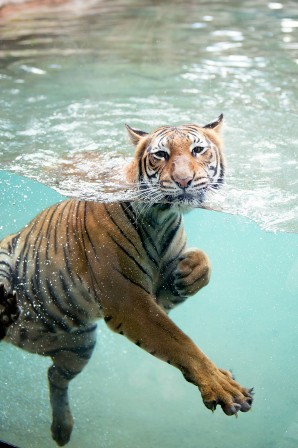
(185, 197)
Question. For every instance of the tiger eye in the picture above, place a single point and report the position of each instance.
(162, 154)
(197, 150)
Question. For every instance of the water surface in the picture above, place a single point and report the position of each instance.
(72, 76)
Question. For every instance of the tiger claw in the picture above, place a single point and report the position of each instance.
(211, 405)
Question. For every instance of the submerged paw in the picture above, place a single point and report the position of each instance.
(227, 393)
(192, 272)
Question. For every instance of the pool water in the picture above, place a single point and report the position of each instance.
(70, 78)
(245, 320)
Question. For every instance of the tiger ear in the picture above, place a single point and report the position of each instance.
(135, 135)
(216, 124)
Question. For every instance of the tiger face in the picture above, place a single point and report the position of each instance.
(177, 164)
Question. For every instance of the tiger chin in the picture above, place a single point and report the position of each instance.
(125, 262)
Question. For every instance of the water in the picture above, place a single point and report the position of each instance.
(244, 320)
(72, 76)
(69, 81)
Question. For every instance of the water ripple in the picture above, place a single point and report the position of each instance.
(70, 78)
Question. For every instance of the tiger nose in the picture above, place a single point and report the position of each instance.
(183, 182)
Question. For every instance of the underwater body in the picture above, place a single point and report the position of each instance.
(245, 319)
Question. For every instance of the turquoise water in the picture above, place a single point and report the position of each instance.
(245, 320)
(70, 78)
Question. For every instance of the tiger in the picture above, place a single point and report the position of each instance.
(124, 262)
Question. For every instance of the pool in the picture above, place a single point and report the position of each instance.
(70, 79)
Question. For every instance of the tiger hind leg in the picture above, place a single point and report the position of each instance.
(9, 309)
(67, 363)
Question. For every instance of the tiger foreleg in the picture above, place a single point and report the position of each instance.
(66, 365)
(192, 273)
(149, 327)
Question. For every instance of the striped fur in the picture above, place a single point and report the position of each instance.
(178, 165)
(127, 263)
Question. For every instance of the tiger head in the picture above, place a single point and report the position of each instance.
(177, 164)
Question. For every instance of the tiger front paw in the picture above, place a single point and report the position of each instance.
(192, 273)
(9, 310)
(221, 389)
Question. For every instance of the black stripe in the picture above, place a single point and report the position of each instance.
(120, 229)
(131, 257)
(48, 232)
(132, 281)
(61, 213)
(56, 301)
(130, 214)
(49, 228)
(163, 131)
(49, 327)
(5, 274)
(25, 269)
(16, 274)
(85, 330)
(150, 176)
(67, 230)
(37, 238)
(6, 264)
(90, 269)
(66, 373)
(126, 207)
(83, 352)
(67, 265)
(169, 221)
(93, 276)
(56, 244)
(14, 241)
(37, 289)
(72, 302)
(5, 252)
(141, 178)
(87, 232)
(190, 128)
(166, 243)
(149, 238)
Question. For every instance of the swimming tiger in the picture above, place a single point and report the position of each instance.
(125, 262)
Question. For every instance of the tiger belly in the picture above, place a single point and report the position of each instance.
(42, 329)
(57, 308)
(34, 338)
